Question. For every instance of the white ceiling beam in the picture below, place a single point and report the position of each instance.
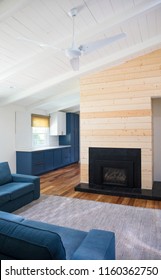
(74, 91)
(67, 104)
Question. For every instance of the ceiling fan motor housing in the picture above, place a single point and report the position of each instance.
(72, 53)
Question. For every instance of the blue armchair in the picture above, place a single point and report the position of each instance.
(16, 190)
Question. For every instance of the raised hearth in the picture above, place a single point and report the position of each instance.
(154, 194)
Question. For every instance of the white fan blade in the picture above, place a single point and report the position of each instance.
(75, 63)
(90, 47)
(40, 44)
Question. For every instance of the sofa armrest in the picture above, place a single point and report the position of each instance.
(97, 245)
(28, 179)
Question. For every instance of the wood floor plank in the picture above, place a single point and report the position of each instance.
(61, 182)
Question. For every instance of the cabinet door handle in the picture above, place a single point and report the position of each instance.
(39, 163)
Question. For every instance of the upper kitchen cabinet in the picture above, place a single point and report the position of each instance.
(72, 135)
(58, 123)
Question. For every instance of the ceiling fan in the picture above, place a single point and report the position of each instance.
(74, 52)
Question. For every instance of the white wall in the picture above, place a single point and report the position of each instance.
(7, 136)
(157, 138)
(23, 131)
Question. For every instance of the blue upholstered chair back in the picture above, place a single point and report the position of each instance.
(5, 173)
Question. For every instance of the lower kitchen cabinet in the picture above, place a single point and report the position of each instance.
(48, 160)
(39, 162)
(57, 158)
(66, 156)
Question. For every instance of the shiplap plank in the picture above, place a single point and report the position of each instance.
(115, 102)
(115, 144)
(116, 114)
(88, 127)
(117, 73)
(113, 121)
(116, 132)
(121, 138)
(123, 89)
(121, 107)
(138, 75)
(123, 83)
(102, 94)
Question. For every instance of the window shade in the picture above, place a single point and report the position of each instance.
(40, 121)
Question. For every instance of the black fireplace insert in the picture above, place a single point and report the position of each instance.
(118, 167)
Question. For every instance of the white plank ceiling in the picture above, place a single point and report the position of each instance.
(37, 77)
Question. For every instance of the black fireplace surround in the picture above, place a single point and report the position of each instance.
(117, 171)
(114, 167)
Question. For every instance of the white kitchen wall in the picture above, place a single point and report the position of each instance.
(9, 142)
(23, 131)
(7, 136)
(53, 140)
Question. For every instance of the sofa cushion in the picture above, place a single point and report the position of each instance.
(29, 243)
(10, 217)
(92, 250)
(5, 173)
(4, 197)
(71, 238)
(16, 190)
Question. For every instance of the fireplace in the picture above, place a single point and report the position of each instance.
(114, 167)
(117, 172)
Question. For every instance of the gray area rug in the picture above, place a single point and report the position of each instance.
(137, 230)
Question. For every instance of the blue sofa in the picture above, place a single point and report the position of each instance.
(16, 190)
(22, 239)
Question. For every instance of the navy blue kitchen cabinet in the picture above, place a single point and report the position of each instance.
(66, 156)
(72, 135)
(62, 157)
(39, 162)
(24, 163)
(48, 160)
(30, 163)
(57, 158)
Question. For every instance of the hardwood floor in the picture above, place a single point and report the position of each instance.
(62, 182)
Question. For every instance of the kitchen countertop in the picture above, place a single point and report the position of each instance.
(42, 148)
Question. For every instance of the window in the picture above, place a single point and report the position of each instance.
(40, 130)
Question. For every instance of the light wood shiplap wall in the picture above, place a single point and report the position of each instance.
(116, 111)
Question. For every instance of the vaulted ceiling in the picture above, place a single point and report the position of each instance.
(38, 76)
